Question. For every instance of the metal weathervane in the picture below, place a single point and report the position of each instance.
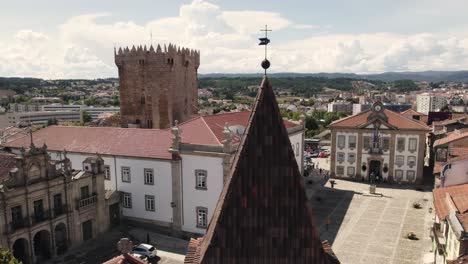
(264, 41)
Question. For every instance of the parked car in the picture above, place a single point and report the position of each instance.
(140, 256)
(145, 249)
(322, 155)
(314, 155)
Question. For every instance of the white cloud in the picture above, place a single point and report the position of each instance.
(82, 47)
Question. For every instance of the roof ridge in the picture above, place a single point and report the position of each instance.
(348, 117)
(226, 113)
(212, 133)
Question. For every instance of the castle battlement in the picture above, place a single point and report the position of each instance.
(142, 52)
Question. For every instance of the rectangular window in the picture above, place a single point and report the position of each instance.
(366, 141)
(352, 141)
(38, 209)
(202, 217)
(297, 149)
(340, 157)
(398, 175)
(385, 143)
(200, 180)
(411, 161)
(149, 203)
(399, 160)
(127, 200)
(149, 176)
(351, 171)
(441, 154)
(58, 201)
(16, 214)
(107, 175)
(410, 175)
(401, 144)
(341, 141)
(84, 192)
(339, 170)
(351, 157)
(126, 177)
(412, 144)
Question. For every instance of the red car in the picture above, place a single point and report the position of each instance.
(322, 155)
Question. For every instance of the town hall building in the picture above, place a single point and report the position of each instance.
(378, 144)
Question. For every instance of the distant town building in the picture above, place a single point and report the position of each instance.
(426, 103)
(49, 207)
(340, 106)
(98, 112)
(164, 174)
(357, 108)
(45, 100)
(451, 224)
(41, 117)
(20, 108)
(157, 86)
(378, 143)
(62, 107)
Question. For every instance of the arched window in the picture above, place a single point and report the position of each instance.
(34, 172)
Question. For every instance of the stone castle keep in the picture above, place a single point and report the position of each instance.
(157, 86)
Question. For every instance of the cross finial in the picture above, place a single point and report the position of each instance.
(264, 41)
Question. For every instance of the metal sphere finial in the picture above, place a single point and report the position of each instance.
(265, 64)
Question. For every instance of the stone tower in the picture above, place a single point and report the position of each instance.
(157, 86)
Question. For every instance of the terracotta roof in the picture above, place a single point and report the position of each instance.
(263, 214)
(456, 135)
(412, 113)
(210, 128)
(457, 192)
(131, 142)
(395, 119)
(463, 218)
(7, 162)
(460, 260)
(125, 259)
(459, 151)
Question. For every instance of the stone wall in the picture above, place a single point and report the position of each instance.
(157, 86)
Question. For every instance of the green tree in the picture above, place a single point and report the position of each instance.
(86, 117)
(7, 258)
(311, 123)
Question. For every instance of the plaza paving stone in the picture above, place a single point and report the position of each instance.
(372, 229)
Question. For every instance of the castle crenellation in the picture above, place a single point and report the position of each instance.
(169, 50)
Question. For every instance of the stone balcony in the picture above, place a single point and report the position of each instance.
(86, 202)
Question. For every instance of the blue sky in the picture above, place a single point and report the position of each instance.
(75, 39)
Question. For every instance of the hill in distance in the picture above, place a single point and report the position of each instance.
(429, 76)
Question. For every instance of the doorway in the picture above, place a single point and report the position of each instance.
(375, 170)
(114, 214)
(61, 238)
(41, 244)
(21, 250)
(87, 230)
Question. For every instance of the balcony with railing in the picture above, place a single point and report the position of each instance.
(58, 211)
(39, 217)
(86, 202)
(17, 224)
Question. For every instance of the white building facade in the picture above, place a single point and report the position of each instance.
(378, 144)
(174, 185)
(426, 103)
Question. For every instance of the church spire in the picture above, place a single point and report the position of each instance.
(263, 214)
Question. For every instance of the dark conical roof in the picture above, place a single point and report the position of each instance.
(262, 215)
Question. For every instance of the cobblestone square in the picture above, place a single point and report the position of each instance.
(366, 228)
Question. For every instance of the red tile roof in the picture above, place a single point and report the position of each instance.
(213, 125)
(7, 163)
(458, 194)
(133, 142)
(412, 113)
(130, 142)
(456, 135)
(125, 259)
(263, 214)
(463, 218)
(394, 119)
